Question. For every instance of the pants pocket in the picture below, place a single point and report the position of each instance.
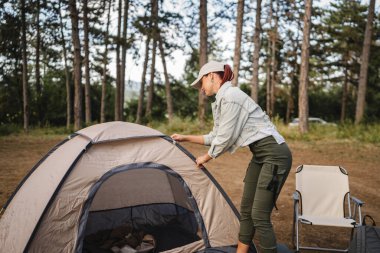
(271, 177)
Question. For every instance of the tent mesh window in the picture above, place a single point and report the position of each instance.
(134, 203)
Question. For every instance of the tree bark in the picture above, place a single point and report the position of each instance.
(142, 87)
(123, 56)
(118, 67)
(67, 76)
(77, 65)
(256, 54)
(344, 92)
(293, 78)
(269, 63)
(289, 106)
(169, 100)
(274, 65)
(303, 102)
(268, 87)
(239, 32)
(149, 103)
(25, 85)
(38, 73)
(86, 63)
(105, 63)
(202, 105)
(360, 102)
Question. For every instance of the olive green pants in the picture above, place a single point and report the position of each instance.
(265, 176)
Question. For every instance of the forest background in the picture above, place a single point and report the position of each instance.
(76, 63)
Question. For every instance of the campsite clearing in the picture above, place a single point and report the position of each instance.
(18, 154)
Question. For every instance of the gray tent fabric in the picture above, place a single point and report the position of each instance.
(112, 174)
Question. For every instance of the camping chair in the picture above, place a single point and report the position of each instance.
(323, 198)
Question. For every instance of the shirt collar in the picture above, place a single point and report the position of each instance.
(222, 89)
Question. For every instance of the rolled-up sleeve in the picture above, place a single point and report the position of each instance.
(208, 138)
(232, 120)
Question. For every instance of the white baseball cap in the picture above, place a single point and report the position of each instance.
(212, 66)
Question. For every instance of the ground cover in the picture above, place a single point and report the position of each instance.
(19, 152)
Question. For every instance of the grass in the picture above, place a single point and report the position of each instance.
(181, 126)
(365, 133)
(361, 133)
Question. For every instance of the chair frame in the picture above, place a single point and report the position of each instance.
(298, 209)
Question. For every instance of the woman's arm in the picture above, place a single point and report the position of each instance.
(199, 139)
(188, 138)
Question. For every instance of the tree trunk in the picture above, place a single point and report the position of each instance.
(142, 87)
(293, 81)
(344, 93)
(24, 67)
(169, 101)
(105, 63)
(289, 106)
(77, 65)
(202, 105)
(86, 63)
(118, 67)
(274, 66)
(256, 55)
(268, 87)
(239, 31)
(38, 74)
(123, 56)
(269, 63)
(67, 76)
(149, 102)
(360, 103)
(303, 103)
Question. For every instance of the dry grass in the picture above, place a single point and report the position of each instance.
(18, 154)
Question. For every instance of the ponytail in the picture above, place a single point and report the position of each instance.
(226, 75)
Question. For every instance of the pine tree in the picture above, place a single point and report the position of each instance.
(77, 65)
(25, 86)
(256, 54)
(303, 104)
(202, 59)
(364, 64)
(239, 32)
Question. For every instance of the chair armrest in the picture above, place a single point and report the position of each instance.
(357, 201)
(296, 196)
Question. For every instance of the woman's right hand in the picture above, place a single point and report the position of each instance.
(178, 137)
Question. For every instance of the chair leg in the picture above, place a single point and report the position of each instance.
(294, 231)
(297, 237)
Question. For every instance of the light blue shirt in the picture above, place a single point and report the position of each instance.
(238, 122)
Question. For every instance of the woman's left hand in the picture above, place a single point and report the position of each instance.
(202, 160)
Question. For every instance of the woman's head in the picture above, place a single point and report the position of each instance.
(212, 76)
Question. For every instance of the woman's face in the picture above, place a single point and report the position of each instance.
(208, 85)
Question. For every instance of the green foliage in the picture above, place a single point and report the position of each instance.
(363, 133)
(366, 133)
(182, 126)
(336, 45)
(348, 131)
(7, 129)
(96, 97)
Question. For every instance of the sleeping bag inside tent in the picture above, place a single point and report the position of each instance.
(119, 187)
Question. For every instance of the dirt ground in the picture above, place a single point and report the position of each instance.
(362, 161)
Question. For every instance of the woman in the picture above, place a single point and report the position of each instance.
(239, 122)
